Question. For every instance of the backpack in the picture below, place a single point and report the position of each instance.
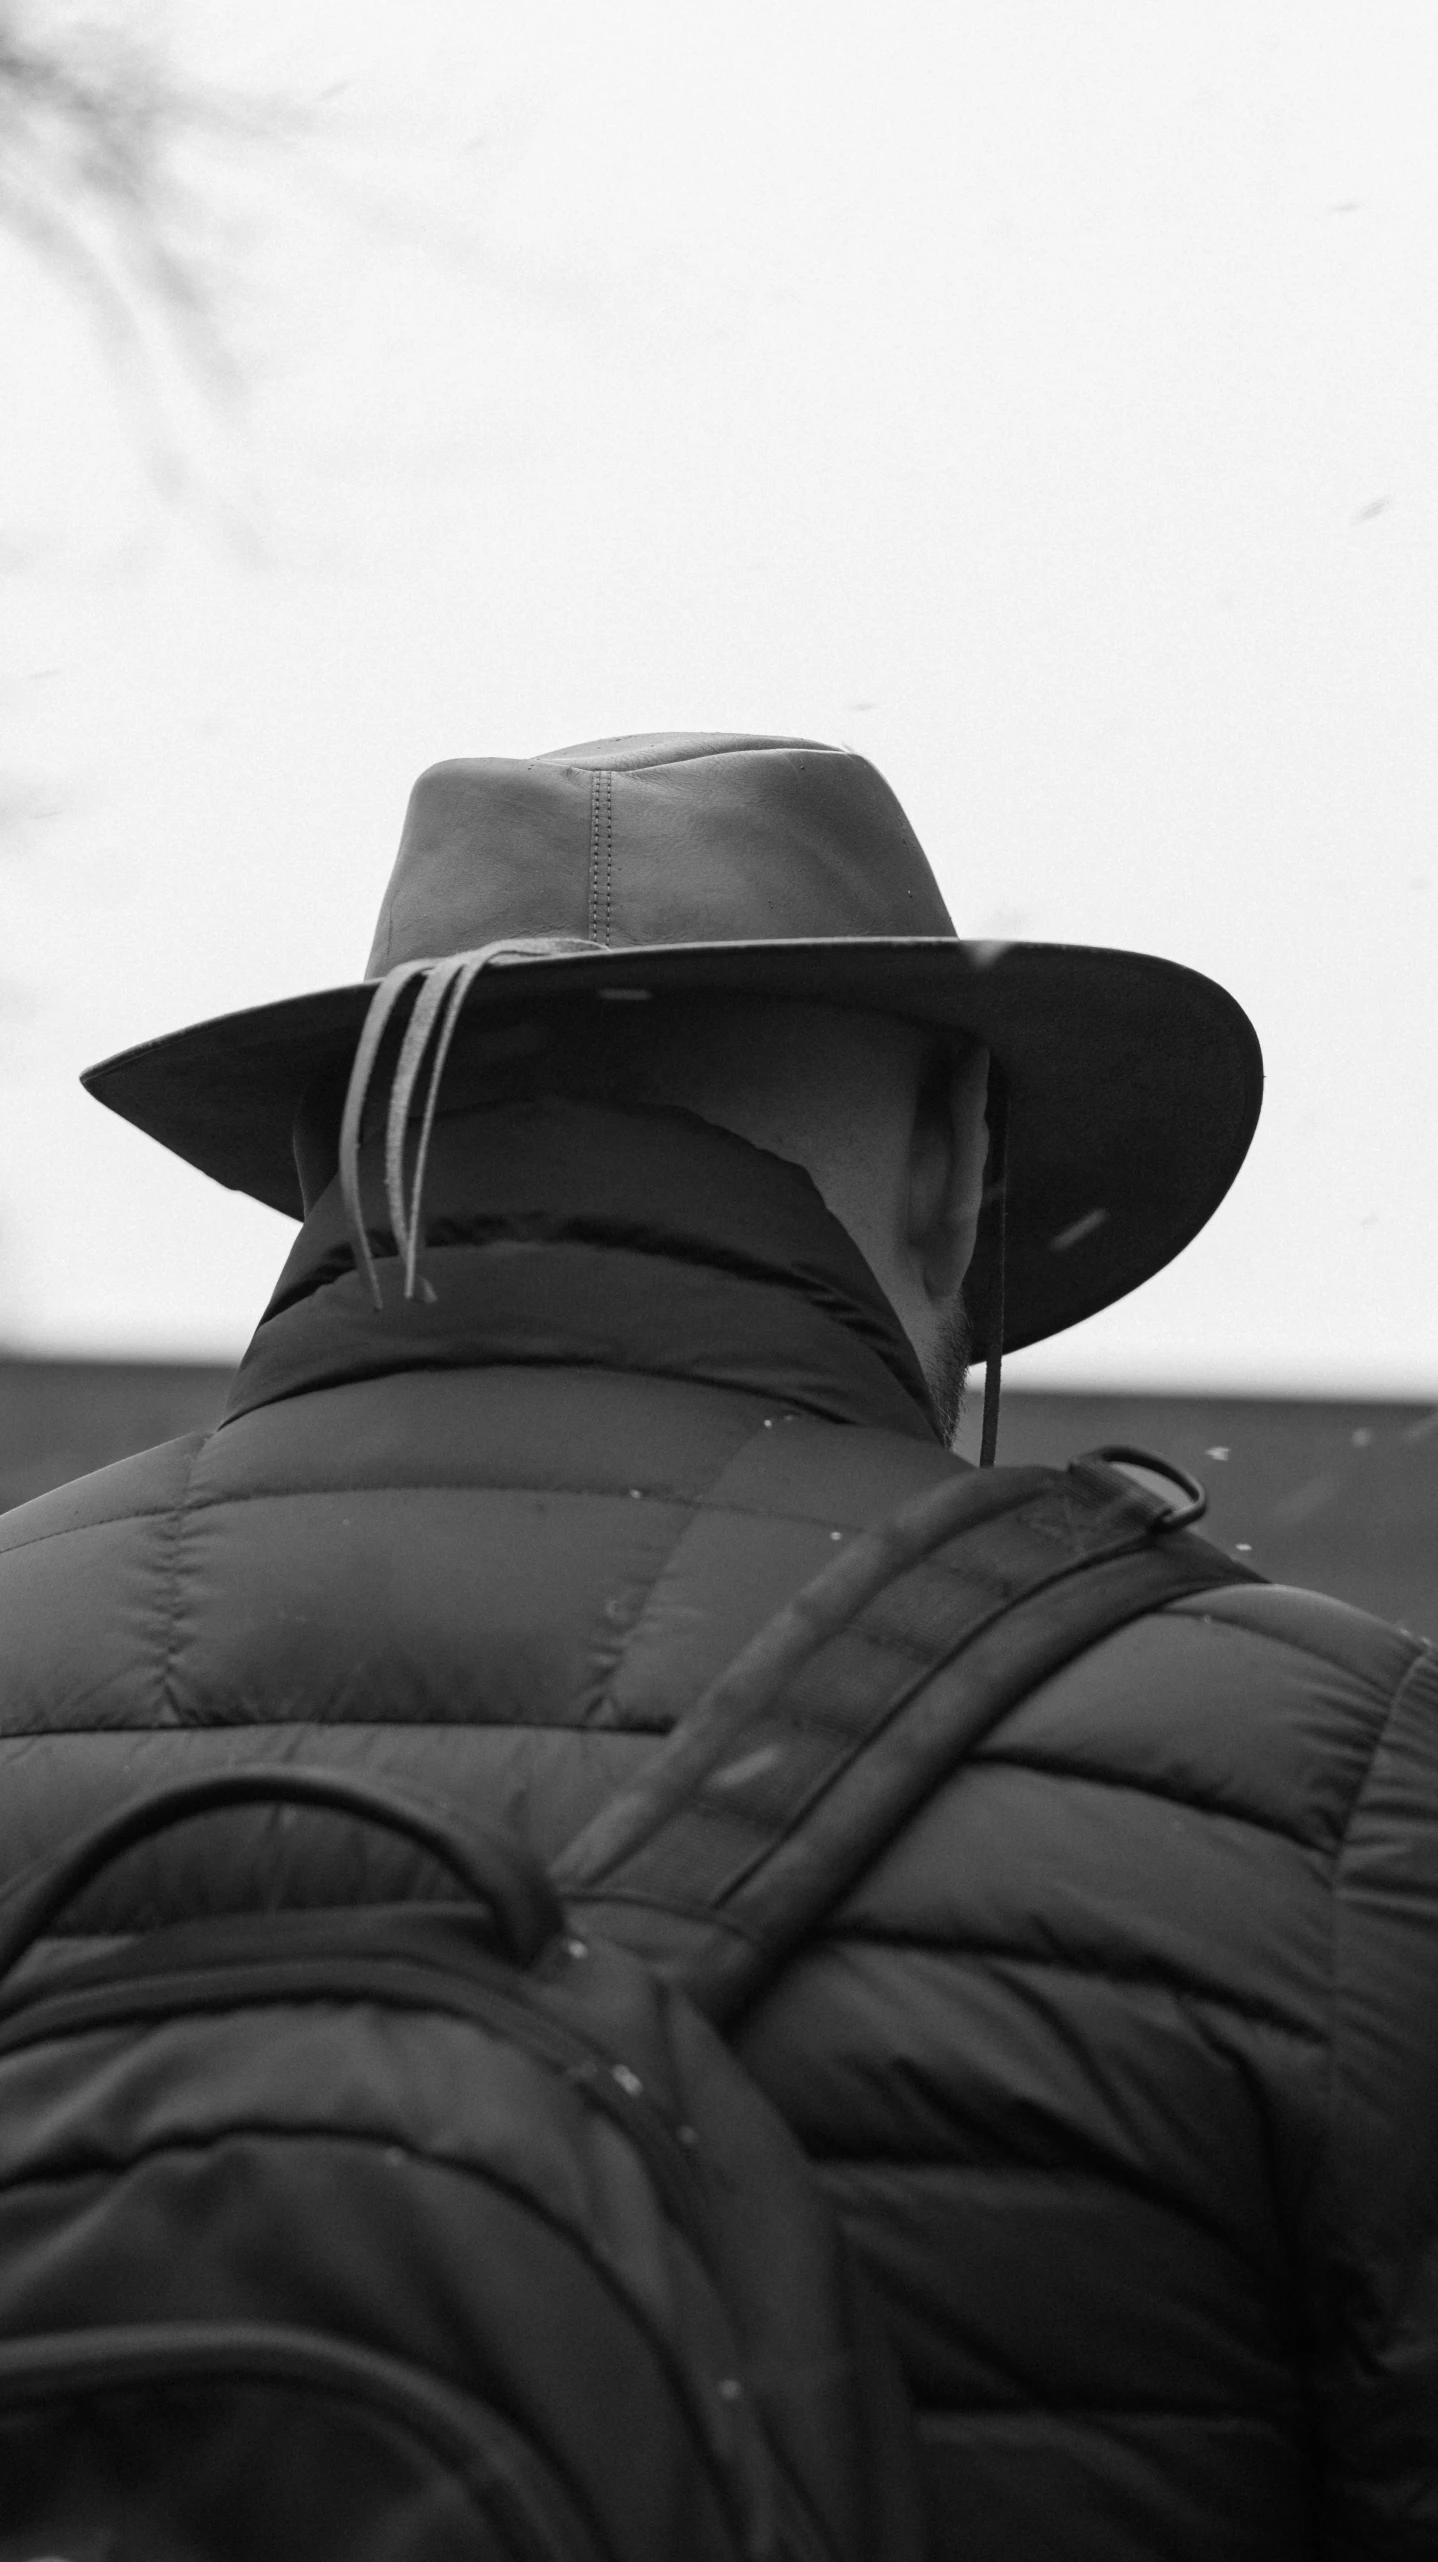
(452, 2231)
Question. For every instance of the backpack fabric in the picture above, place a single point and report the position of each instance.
(378, 2236)
(447, 2233)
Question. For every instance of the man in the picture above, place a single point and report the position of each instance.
(640, 1250)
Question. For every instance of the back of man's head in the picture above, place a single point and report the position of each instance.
(886, 1118)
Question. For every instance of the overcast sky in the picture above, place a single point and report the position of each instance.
(1043, 400)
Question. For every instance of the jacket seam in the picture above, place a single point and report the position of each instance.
(171, 1570)
(1033, 2409)
(798, 1400)
(1423, 1659)
(979, 1953)
(843, 2174)
(1182, 1608)
(110, 1521)
(1098, 2171)
(1001, 1756)
(695, 1503)
(832, 2167)
(616, 1491)
(409, 1485)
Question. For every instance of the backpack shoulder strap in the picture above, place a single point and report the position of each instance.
(847, 1709)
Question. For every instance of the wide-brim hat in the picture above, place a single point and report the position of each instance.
(759, 867)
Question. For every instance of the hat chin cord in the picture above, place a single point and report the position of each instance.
(995, 1215)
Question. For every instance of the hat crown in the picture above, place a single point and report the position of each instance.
(682, 837)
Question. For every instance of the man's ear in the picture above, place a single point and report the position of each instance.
(947, 1150)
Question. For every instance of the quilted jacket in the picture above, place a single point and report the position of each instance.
(1121, 2065)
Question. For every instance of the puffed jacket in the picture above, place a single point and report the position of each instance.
(1121, 2065)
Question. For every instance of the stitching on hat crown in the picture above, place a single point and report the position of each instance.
(601, 856)
(608, 856)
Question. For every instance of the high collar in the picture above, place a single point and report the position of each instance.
(565, 1232)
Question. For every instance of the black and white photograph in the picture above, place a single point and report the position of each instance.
(718, 1243)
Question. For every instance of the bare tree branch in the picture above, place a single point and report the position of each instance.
(99, 145)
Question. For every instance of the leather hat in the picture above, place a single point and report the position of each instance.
(763, 867)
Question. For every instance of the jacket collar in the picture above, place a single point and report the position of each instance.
(570, 1233)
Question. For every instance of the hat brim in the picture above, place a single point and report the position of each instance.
(1134, 1084)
